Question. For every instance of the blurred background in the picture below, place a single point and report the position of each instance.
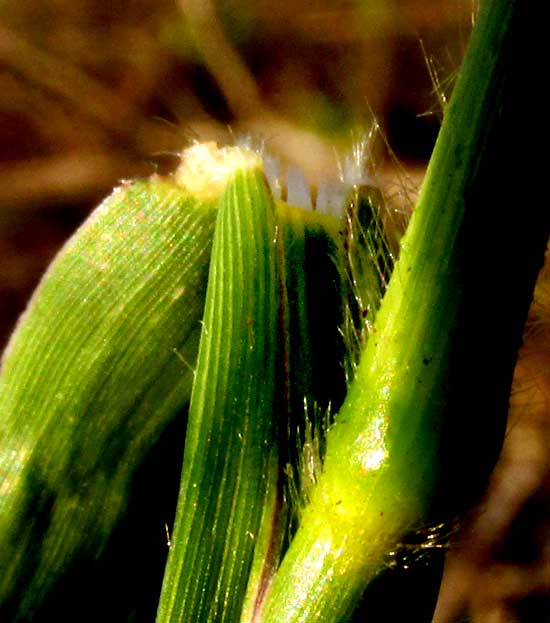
(92, 93)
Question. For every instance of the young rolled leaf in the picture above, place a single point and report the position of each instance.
(230, 465)
(405, 449)
(99, 364)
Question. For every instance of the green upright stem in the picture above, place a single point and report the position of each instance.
(423, 420)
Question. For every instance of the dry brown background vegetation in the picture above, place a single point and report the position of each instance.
(94, 92)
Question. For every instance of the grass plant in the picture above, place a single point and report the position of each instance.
(341, 401)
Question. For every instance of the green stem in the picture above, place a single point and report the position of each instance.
(424, 418)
